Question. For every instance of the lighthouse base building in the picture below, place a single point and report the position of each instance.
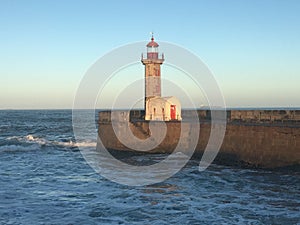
(163, 109)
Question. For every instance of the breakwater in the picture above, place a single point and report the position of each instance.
(254, 138)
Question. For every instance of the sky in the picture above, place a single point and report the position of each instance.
(251, 47)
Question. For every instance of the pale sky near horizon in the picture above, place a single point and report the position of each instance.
(252, 47)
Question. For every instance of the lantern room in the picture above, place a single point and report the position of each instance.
(152, 49)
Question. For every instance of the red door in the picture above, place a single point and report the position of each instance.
(173, 112)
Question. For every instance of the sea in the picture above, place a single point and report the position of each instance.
(44, 179)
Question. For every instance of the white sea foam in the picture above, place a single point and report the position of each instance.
(40, 141)
(77, 144)
(30, 139)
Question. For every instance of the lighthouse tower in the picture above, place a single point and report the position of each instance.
(157, 107)
(152, 70)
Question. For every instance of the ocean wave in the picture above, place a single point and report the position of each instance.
(77, 144)
(29, 141)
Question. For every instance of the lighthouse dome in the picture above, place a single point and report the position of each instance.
(152, 43)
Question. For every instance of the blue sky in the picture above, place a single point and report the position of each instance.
(252, 47)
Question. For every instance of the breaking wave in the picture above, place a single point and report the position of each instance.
(31, 142)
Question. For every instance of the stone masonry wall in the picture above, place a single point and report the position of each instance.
(248, 142)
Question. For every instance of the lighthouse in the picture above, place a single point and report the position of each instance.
(157, 107)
